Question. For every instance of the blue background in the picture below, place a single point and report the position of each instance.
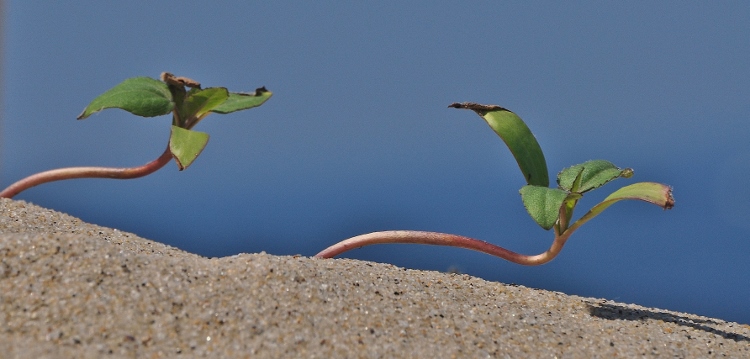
(358, 136)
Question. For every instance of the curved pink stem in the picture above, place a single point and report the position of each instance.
(86, 172)
(444, 239)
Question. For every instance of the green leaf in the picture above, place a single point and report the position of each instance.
(238, 101)
(651, 192)
(593, 174)
(198, 103)
(140, 96)
(186, 145)
(518, 137)
(571, 202)
(543, 204)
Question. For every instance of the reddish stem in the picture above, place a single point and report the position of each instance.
(444, 239)
(86, 172)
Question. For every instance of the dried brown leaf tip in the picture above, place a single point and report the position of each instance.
(669, 203)
(179, 81)
(477, 107)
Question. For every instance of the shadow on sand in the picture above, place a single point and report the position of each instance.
(619, 312)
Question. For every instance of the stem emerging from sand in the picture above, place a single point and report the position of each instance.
(444, 239)
(86, 172)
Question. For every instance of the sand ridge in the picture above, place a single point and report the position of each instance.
(73, 289)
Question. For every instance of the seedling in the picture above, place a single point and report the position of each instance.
(147, 97)
(551, 208)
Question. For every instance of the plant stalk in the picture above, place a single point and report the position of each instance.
(87, 172)
(444, 239)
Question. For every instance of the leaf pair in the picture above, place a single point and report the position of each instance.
(550, 207)
(147, 97)
(545, 205)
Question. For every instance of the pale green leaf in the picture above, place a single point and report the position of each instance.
(186, 145)
(651, 192)
(238, 101)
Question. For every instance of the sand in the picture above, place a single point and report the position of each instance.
(72, 289)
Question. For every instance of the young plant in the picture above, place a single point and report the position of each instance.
(551, 208)
(147, 97)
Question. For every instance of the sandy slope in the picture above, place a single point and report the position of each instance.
(72, 289)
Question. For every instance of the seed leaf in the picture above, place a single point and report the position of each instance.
(186, 145)
(238, 101)
(518, 137)
(651, 192)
